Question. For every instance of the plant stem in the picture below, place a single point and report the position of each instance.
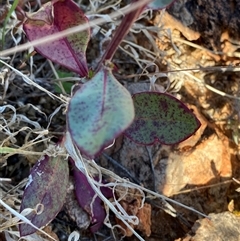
(11, 10)
(121, 32)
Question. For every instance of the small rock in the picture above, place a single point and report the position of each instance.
(222, 226)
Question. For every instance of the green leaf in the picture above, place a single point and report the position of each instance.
(98, 112)
(161, 117)
(159, 4)
(67, 86)
(46, 188)
(64, 74)
(56, 16)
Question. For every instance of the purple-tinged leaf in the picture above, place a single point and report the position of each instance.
(160, 4)
(53, 17)
(47, 188)
(88, 200)
(98, 112)
(161, 117)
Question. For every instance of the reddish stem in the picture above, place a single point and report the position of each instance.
(120, 34)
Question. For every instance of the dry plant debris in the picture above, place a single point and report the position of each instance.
(132, 204)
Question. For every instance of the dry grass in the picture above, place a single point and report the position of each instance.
(33, 113)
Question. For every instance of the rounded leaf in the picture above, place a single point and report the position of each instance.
(47, 188)
(88, 199)
(98, 112)
(161, 117)
(56, 16)
(159, 4)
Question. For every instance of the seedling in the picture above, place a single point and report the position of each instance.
(98, 112)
